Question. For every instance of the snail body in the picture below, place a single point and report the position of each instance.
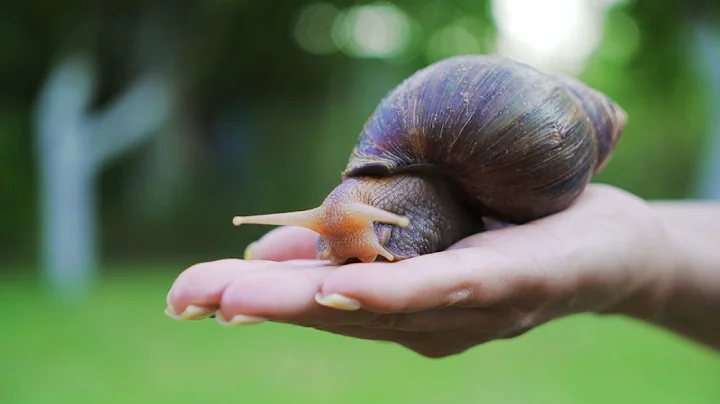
(464, 138)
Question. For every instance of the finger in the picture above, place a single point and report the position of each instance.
(196, 292)
(248, 292)
(476, 276)
(287, 295)
(284, 243)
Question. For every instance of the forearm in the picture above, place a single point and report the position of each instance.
(687, 298)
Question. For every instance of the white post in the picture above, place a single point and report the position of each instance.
(72, 148)
(707, 41)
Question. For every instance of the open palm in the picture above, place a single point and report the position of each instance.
(594, 257)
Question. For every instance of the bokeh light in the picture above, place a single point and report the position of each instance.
(313, 28)
(379, 30)
(622, 37)
(467, 35)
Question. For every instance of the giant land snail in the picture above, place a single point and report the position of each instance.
(464, 138)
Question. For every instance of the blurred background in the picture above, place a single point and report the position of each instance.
(132, 131)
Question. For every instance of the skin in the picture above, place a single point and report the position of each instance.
(610, 253)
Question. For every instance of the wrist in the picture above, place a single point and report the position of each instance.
(648, 302)
(679, 277)
(656, 274)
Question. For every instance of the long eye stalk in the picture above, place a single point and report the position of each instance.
(319, 218)
(310, 219)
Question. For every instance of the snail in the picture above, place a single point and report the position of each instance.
(464, 138)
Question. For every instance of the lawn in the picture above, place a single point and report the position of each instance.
(121, 348)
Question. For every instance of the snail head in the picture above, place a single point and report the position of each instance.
(345, 222)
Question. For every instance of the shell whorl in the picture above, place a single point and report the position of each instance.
(608, 119)
(521, 144)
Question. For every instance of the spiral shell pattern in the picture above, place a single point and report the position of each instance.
(519, 143)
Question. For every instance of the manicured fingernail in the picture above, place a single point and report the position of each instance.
(192, 312)
(337, 301)
(249, 251)
(238, 319)
(171, 313)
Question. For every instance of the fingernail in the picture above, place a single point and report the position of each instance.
(191, 313)
(337, 301)
(171, 313)
(248, 251)
(238, 319)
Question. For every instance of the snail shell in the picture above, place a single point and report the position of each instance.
(465, 138)
(521, 144)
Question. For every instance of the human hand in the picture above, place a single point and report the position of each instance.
(607, 253)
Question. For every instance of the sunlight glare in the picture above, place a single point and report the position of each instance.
(551, 34)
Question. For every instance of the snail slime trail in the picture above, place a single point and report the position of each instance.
(466, 137)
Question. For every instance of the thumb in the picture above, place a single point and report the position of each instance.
(283, 244)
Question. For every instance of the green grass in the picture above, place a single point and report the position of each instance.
(121, 348)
